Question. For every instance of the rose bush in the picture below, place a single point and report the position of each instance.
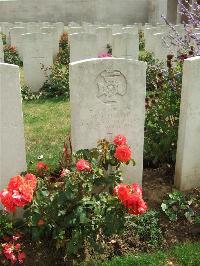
(11, 55)
(85, 202)
(162, 109)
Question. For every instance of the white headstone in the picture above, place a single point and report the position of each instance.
(133, 30)
(148, 35)
(19, 25)
(160, 47)
(83, 46)
(125, 45)
(108, 98)
(138, 25)
(117, 28)
(5, 27)
(45, 24)
(188, 150)
(60, 29)
(12, 143)
(85, 26)
(33, 27)
(72, 30)
(16, 39)
(73, 24)
(104, 38)
(92, 28)
(54, 43)
(36, 53)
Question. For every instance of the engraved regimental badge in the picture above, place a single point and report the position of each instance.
(111, 86)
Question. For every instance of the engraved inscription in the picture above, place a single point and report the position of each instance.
(111, 86)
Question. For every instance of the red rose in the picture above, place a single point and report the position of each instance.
(18, 199)
(131, 198)
(18, 246)
(31, 180)
(120, 140)
(122, 191)
(7, 200)
(83, 165)
(21, 257)
(42, 166)
(136, 188)
(137, 205)
(26, 192)
(15, 182)
(123, 153)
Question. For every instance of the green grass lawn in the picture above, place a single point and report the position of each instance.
(47, 123)
(182, 255)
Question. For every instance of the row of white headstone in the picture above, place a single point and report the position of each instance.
(159, 40)
(88, 45)
(89, 40)
(107, 98)
(40, 46)
(37, 45)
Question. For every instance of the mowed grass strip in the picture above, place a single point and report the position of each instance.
(187, 254)
(46, 124)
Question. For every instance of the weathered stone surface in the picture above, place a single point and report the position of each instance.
(36, 53)
(54, 43)
(83, 46)
(33, 27)
(16, 39)
(161, 48)
(60, 28)
(72, 30)
(130, 29)
(12, 144)
(117, 28)
(5, 27)
(188, 151)
(108, 98)
(148, 35)
(125, 45)
(91, 28)
(104, 38)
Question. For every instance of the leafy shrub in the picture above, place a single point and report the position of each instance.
(57, 83)
(11, 56)
(178, 206)
(63, 56)
(141, 41)
(79, 206)
(3, 38)
(64, 44)
(162, 111)
(6, 226)
(147, 228)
